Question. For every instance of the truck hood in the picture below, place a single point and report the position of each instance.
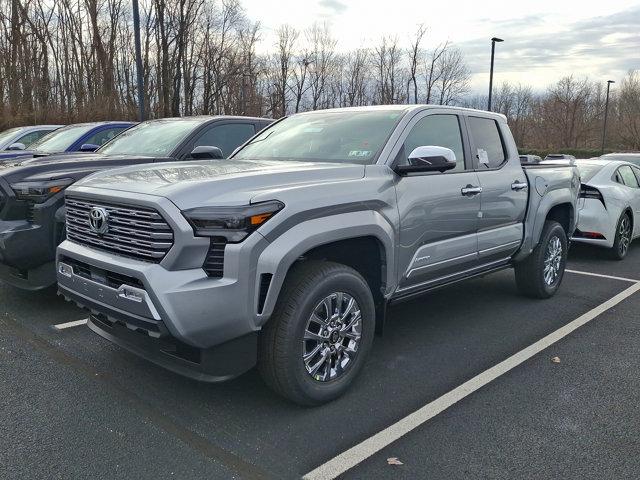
(218, 182)
(66, 165)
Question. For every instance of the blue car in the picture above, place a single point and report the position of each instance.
(80, 137)
(20, 138)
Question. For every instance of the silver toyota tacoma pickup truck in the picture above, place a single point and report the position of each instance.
(287, 255)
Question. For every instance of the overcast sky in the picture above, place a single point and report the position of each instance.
(544, 39)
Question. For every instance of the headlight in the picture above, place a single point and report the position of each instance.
(40, 192)
(232, 223)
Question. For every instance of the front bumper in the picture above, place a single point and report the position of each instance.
(216, 364)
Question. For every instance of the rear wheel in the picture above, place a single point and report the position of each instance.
(622, 240)
(540, 274)
(321, 331)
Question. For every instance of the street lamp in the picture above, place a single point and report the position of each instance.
(493, 52)
(606, 113)
(136, 38)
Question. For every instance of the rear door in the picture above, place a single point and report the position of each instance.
(503, 202)
(438, 211)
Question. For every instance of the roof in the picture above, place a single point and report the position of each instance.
(407, 108)
(207, 118)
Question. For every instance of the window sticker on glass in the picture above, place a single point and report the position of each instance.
(360, 153)
(483, 157)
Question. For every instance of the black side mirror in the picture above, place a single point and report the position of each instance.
(428, 159)
(206, 152)
(89, 147)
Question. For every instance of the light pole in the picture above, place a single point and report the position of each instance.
(136, 38)
(606, 113)
(493, 52)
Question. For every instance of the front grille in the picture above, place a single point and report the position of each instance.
(135, 232)
(3, 198)
(31, 217)
(214, 263)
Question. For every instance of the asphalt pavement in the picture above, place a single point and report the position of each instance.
(72, 405)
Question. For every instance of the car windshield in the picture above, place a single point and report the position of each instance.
(156, 138)
(4, 136)
(588, 170)
(352, 136)
(61, 139)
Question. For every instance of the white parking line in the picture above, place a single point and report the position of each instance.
(590, 274)
(76, 323)
(357, 454)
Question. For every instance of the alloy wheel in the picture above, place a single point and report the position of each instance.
(332, 336)
(552, 261)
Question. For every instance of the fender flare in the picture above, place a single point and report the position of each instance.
(284, 251)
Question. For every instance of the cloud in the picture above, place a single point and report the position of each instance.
(336, 6)
(603, 45)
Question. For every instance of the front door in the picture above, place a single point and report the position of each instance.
(438, 211)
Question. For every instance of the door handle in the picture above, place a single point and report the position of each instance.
(470, 190)
(517, 185)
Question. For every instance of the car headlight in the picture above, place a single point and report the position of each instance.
(232, 223)
(40, 192)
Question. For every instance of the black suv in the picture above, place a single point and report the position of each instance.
(32, 191)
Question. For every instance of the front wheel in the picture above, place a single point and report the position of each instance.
(321, 331)
(540, 274)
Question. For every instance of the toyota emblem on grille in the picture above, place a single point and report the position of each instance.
(98, 220)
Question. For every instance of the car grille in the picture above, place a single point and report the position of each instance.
(134, 232)
(3, 199)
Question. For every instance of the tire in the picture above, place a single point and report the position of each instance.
(531, 274)
(624, 231)
(281, 345)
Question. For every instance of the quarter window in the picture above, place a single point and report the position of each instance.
(627, 175)
(489, 149)
(435, 130)
(226, 137)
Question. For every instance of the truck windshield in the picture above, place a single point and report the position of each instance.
(343, 137)
(61, 139)
(155, 138)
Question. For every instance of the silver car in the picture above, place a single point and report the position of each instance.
(20, 138)
(609, 205)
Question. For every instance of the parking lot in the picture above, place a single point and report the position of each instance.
(75, 406)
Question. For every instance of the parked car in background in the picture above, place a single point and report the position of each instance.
(559, 156)
(609, 206)
(625, 157)
(530, 159)
(32, 191)
(20, 138)
(287, 254)
(80, 137)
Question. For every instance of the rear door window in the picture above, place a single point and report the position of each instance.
(488, 146)
(31, 137)
(628, 176)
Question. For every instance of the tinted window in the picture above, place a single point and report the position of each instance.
(629, 178)
(31, 137)
(226, 137)
(157, 138)
(103, 136)
(61, 139)
(637, 172)
(487, 142)
(436, 130)
(350, 136)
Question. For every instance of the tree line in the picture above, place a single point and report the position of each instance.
(68, 61)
